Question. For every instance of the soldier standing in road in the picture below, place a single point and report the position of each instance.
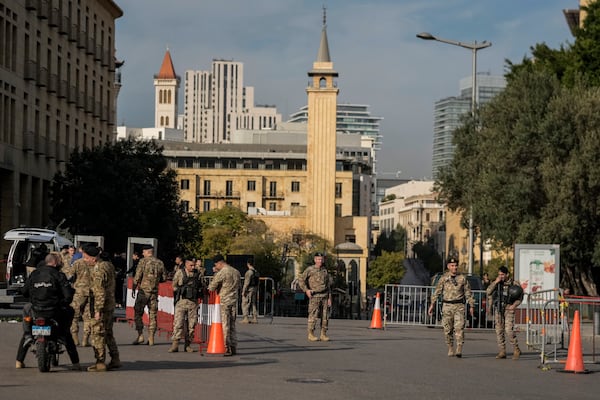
(102, 308)
(316, 283)
(455, 291)
(226, 282)
(149, 273)
(187, 284)
(249, 293)
(81, 283)
(506, 299)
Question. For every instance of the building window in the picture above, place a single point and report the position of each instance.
(272, 206)
(338, 190)
(295, 186)
(272, 189)
(229, 188)
(338, 210)
(251, 186)
(427, 217)
(250, 204)
(228, 204)
(206, 206)
(186, 205)
(185, 184)
(295, 204)
(207, 188)
(350, 238)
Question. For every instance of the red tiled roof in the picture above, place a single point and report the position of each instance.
(167, 71)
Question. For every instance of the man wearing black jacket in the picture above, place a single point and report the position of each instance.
(49, 293)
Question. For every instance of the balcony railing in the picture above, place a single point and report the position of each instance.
(64, 28)
(28, 141)
(74, 33)
(42, 77)
(54, 20)
(52, 83)
(30, 73)
(273, 195)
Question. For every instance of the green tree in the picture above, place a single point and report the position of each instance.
(392, 242)
(229, 230)
(385, 269)
(119, 190)
(426, 252)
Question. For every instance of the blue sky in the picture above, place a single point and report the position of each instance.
(372, 45)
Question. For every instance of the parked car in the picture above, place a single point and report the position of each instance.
(478, 291)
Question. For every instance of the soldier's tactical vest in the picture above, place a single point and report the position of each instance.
(190, 289)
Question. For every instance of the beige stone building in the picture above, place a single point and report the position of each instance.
(57, 93)
(300, 179)
(414, 206)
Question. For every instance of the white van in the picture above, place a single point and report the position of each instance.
(29, 246)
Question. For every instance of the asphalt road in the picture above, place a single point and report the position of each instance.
(275, 361)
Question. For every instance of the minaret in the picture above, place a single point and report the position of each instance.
(321, 142)
(166, 86)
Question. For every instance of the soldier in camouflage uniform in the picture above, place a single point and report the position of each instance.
(148, 274)
(250, 293)
(226, 282)
(316, 282)
(504, 312)
(455, 291)
(80, 304)
(102, 308)
(187, 284)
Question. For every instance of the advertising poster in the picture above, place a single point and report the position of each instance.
(537, 266)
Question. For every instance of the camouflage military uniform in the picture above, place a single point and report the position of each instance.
(187, 304)
(102, 300)
(249, 294)
(318, 281)
(227, 284)
(455, 292)
(504, 317)
(80, 304)
(148, 274)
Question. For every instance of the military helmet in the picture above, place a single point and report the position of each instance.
(515, 292)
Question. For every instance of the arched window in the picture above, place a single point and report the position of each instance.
(160, 96)
(162, 121)
(166, 121)
(322, 83)
(168, 97)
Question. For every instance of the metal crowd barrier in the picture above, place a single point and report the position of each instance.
(408, 305)
(555, 328)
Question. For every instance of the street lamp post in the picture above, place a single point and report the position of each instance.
(474, 47)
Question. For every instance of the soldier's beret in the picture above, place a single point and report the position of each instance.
(218, 258)
(147, 247)
(452, 260)
(319, 254)
(91, 250)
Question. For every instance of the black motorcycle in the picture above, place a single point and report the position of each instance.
(47, 345)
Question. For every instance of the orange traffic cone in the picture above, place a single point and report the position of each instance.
(376, 319)
(216, 342)
(575, 356)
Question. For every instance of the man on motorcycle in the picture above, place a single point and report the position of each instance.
(49, 293)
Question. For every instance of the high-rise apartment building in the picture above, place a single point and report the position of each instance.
(57, 93)
(448, 113)
(216, 103)
(351, 118)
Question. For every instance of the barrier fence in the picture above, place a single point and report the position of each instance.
(206, 308)
(550, 326)
(408, 305)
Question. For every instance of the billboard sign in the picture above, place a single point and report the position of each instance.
(537, 266)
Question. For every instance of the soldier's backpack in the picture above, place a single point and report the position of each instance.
(255, 278)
